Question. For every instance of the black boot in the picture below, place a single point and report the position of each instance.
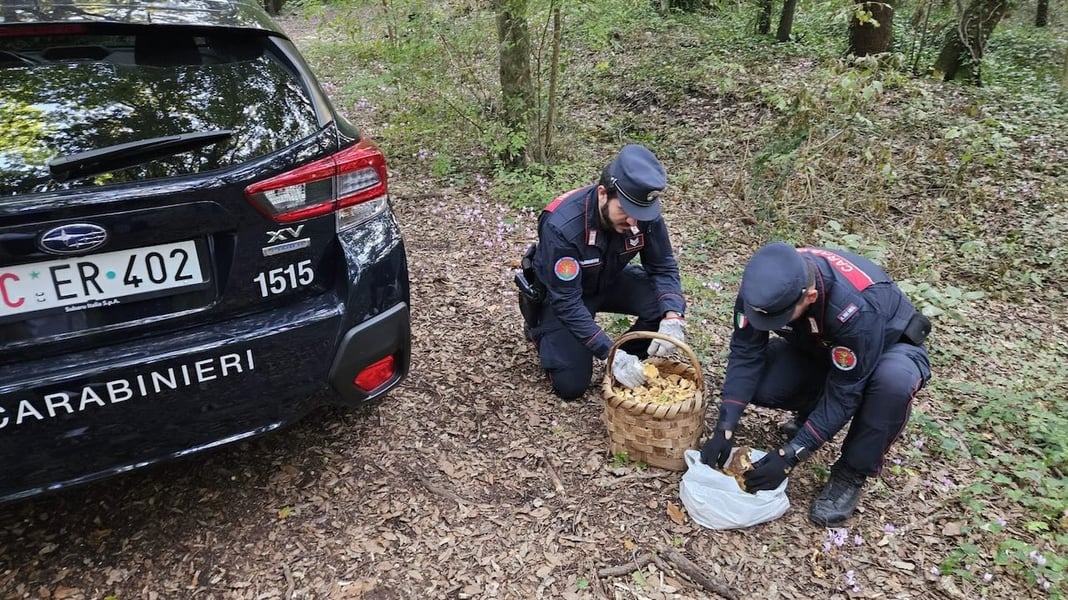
(839, 498)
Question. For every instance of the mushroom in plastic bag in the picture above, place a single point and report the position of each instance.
(714, 499)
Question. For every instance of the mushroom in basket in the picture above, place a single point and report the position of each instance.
(659, 388)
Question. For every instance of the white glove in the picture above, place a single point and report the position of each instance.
(627, 370)
(671, 327)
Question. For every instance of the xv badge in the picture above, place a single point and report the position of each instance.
(284, 233)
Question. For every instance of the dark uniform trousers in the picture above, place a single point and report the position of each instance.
(567, 360)
(792, 379)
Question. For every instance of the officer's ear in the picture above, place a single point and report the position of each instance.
(810, 295)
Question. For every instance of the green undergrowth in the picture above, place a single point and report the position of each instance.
(959, 190)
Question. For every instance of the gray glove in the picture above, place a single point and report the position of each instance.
(627, 370)
(672, 327)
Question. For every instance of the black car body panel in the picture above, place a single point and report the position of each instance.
(194, 247)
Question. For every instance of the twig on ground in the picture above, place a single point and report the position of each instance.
(595, 581)
(635, 477)
(559, 485)
(440, 491)
(291, 586)
(627, 568)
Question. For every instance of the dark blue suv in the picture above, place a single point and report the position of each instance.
(195, 248)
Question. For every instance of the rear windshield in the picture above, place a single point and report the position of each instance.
(74, 90)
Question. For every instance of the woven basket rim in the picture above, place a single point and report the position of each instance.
(660, 410)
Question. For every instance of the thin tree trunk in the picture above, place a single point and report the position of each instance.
(764, 19)
(923, 36)
(962, 50)
(1042, 13)
(1064, 76)
(786, 20)
(873, 36)
(554, 73)
(517, 88)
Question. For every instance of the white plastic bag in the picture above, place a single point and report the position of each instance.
(714, 500)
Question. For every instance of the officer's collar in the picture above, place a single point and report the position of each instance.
(821, 289)
(595, 235)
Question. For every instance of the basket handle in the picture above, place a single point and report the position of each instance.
(636, 335)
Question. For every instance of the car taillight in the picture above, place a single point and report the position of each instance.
(351, 183)
(375, 375)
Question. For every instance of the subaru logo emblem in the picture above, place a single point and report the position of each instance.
(73, 239)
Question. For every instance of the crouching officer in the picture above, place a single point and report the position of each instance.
(579, 267)
(849, 346)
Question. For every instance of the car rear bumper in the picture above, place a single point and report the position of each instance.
(101, 412)
(386, 335)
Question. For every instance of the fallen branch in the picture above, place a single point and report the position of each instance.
(678, 563)
(637, 565)
(696, 573)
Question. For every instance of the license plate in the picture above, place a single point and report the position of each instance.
(98, 280)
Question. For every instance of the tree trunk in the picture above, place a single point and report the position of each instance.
(764, 19)
(786, 20)
(873, 35)
(962, 50)
(1064, 76)
(546, 141)
(273, 7)
(1042, 13)
(517, 90)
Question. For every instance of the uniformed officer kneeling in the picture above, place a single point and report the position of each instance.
(586, 238)
(849, 346)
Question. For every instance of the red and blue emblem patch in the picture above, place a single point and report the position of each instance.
(566, 268)
(843, 358)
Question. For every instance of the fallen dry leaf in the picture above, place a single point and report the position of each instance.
(676, 514)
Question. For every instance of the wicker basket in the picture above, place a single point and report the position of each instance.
(656, 434)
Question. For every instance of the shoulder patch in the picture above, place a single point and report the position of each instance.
(843, 358)
(848, 312)
(740, 321)
(566, 268)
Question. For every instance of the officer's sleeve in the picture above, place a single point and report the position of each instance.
(658, 260)
(854, 355)
(559, 269)
(744, 363)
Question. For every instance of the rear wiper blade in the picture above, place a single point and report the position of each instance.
(102, 160)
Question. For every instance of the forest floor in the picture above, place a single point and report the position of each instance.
(471, 480)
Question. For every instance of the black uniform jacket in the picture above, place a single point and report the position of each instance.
(576, 259)
(860, 312)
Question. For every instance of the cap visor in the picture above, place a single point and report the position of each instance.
(766, 322)
(641, 213)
